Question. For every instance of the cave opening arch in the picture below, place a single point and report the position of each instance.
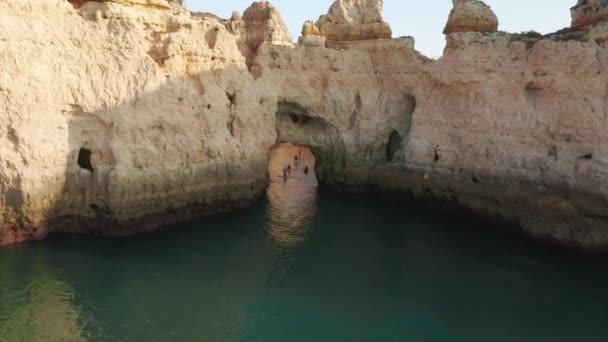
(297, 124)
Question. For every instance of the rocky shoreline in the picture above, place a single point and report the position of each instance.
(120, 116)
(537, 214)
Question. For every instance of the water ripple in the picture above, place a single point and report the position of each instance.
(42, 310)
(292, 201)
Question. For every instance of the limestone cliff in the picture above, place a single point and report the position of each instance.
(114, 113)
(118, 117)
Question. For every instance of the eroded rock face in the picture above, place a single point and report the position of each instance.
(587, 13)
(471, 16)
(311, 35)
(261, 23)
(161, 4)
(350, 20)
(162, 98)
(163, 120)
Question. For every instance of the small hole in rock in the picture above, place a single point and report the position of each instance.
(231, 98)
(552, 151)
(437, 156)
(84, 159)
(394, 145)
(587, 156)
(475, 180)
(230, 125)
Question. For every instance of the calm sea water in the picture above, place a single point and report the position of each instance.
(303, 267)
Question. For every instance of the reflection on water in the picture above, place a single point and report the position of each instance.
(292, 195)
(35, 305)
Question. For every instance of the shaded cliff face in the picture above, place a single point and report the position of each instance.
(171, 112)
(132, 111)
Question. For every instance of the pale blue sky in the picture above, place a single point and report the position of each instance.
(423, 19)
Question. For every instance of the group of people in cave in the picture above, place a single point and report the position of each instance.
(297, 161)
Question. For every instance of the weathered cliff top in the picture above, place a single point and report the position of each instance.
(261, 23)
(471, 16)
(162, 4)
(356, 20)
(587, 13)
(349, 20)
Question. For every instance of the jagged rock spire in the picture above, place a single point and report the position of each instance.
(471, 16)
(261, 23)
(354, 20)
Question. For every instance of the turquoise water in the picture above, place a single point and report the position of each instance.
(303, 267)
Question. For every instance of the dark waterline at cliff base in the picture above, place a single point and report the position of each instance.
(303, 267)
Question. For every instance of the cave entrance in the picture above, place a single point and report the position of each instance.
(292, 194)
(292, 164)
(84, 159)
(298, 123)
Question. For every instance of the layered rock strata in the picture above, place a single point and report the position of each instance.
(167, 114)
(590, 21)
(311, 35)
(587, 13)
(349, 20)
(161, 4)
(471, 16)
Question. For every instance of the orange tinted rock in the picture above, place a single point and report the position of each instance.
(471, 16)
